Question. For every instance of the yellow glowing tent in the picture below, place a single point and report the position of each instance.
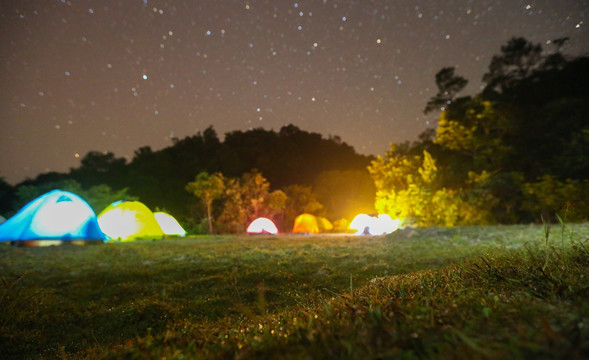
(129, 220)
(306, 224)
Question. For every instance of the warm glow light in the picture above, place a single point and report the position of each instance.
(385, 225)
(324, 224)
(169, 224)
(305, 224)
(369, 225)
(262, 226)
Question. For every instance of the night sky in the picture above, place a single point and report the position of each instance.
(117, 75)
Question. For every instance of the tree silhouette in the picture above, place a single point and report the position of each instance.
(449, 84)
(518, 59)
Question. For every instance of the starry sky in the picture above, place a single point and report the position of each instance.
(82, 75)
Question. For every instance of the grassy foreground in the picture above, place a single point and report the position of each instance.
(460, 293)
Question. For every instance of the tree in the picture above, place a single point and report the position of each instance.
(248, 198)
(100, 196)
(6, 197)
(408, 188)
(207, 188)
(300, 199)
(100, 168)
(449, 85)
(478, 129)
(549, 196)
(518, 59)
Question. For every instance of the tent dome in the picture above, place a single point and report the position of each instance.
(56, 215)
(370, 225)
(170, 226)
(262, 225)
(129, 220)
(306, 224)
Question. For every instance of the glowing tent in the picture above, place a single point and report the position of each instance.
(2, 219)
(385, 225)
(262, 226)
(169, 225)
(370, 225)
(362, 224)
(55, 216)
(129, 220)
(324, 224)
(306, 224)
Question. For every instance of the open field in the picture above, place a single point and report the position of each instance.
(473, 292)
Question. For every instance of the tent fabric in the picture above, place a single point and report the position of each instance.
(324, 224)
(305, 224)
(169, 225)
(262, 225)
(57, 215)
(128, 221)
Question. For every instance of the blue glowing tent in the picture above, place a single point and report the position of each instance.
(57, 215)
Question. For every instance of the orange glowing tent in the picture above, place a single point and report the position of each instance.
(324, 224)
(305, 224)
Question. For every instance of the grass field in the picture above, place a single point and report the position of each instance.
(456, 293)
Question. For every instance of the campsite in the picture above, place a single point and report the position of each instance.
(465, 292)
(470, 242)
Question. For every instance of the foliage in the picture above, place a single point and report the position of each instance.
(549, 196)
(408, 188)
(6, 197)
(207, 188)
(158, 177)
(517, 61)
(516, 150)
(300, 199)
(476, 128)
(449, 85)
(248, 198)
(443, 293)
(99, 168)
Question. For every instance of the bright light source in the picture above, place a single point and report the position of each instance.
(129, 220)
(56, 219)
(369, 225)
(262, 226)
(169, 224)
(305, 224)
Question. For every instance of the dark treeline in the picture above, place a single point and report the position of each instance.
(158, 178)
(516, 152)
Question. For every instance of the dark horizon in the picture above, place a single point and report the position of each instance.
(86, 76)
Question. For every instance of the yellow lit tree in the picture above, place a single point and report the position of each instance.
(408, 188)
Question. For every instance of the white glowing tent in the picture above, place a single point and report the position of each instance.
(370, 225)
(170, 226)
(262, 225)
